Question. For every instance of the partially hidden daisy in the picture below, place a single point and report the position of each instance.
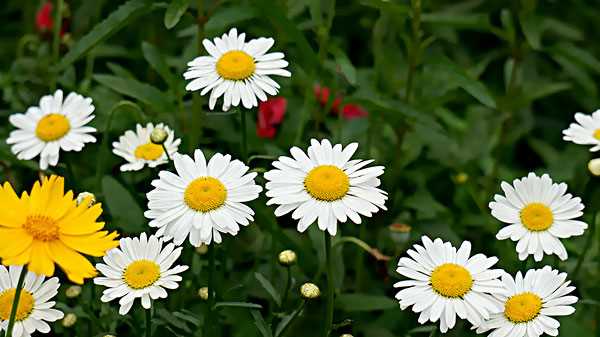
(237, 70)
(539, 213)
(47, 226)
(325, 186)
(586, 130)
(444, 283)
(203, 199)
(139, 268)
(52, 126)
(530, 303)
(139, 151)
(35, 307)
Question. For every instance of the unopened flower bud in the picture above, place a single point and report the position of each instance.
(287, 257)
(109, 336)
(310, 291)
(203, 293)
(399, 232)
(346, 335)
(83, 196)
(158, 135)
(73, 291)
(594, 166)
(202, 249)
(461, 178)
(69, 320)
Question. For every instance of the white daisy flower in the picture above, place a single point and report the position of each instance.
(325, 186)
(53, 126)
(586, 131)
(139, 268)
(529, 303)
(35, 307)
(202, 200)
(237, 70)
(539, 213)
(444, 283)
(138, 150)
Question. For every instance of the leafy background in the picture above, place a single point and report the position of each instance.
(461, 95)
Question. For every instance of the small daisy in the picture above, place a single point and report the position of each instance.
(325, 186)
(138, 150)
(444, 283)
(540, 213)
(35, 307)
(53, 126)
(529, 303)
(586, 131)
(237, 70)
(139, 268)
(202, 200)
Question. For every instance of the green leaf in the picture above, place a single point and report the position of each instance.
(268, 287)
(237, 305)
(224, 18)
(476, 21)
(582, 56)
(125, 211)
(364, 302)
(157, 62)
(260, 323)
(546, 89)
(345, 65)
(174, 12)
(103, 30)
(145, 93)
(287, 320)
(462, 79)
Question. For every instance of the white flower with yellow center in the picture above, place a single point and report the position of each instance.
(53, 126)
(35, 307)
(444, 283)
(539, 213)
(325, 186)
(237, 70)
(139, 268)
(586, 131)
(529, 303)
(138, 150)
(202, 200)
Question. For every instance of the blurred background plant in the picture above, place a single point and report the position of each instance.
(451, 96)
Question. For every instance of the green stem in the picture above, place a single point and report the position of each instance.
(197, 111)
(414, 50)
(56, 39)
(586, 247)
(148, 322)
(166, 151)
(211, 288)
(244, 136)
(434, 332)
(288, 284)
(15, 305)
(330, 287)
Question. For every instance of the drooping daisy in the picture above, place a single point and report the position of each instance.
(202, 200)
(139, 268)
(138, 150)
(53, 126)
(47, 226)
(539, 213)
(237, 70)
(586, 131)
(444, 283)
(529, 303)
(35, 307)
(325, 186)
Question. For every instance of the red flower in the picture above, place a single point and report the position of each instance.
(349, 111)
(322, 94)
(43, 18)
(270, 114)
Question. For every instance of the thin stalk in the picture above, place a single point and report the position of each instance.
(148, 322)
(330, 291)
(166, 151)
(197, 111)
(15, 305)
(56, 39)
(288, 284)
(434, 332)
(244, 136)
(211, 288)
(415, 47)
(586, 247)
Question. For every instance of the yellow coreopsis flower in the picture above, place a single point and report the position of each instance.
(48, 226)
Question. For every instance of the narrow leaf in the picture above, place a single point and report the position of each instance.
(145, 93)
(268, 287)
(260, 323)
(125, 211)
(157, 62)
(174, 12)
(364, 302)
(238, 305)
(224, 18)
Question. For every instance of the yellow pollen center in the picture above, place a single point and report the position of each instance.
(327, 183)
(537, 217)
(523, 307)
(149, 151)
(141, 274)
(205, 194)
(24, 309)
(235, 65)
(451, 280)
(41, 228)
(597, 134)
(52, 127)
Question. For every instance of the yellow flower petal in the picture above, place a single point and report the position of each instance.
(95, 245)
(13, 209)
(19, 241)
(82, 220)
(40, 261)
(72, 263)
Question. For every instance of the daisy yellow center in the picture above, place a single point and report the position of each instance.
(149, 151)
(523, 307)
(24, 309)
(451, 280)
(52, 127)
(41, 228)
(597, 134)
(205, 194)
(327, 183)
(235, 65)
(537, 217)
(141, 274)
